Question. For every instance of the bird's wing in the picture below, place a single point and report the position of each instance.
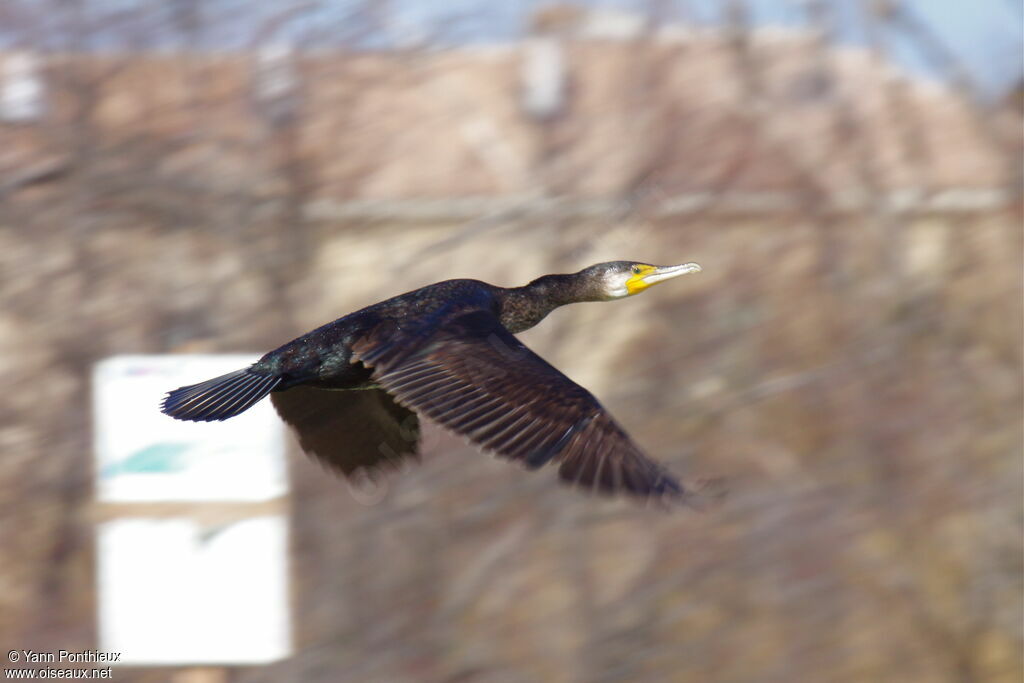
(464, 370)
(350, 430)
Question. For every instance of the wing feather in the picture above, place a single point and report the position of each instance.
(471, 375)
(350, 431)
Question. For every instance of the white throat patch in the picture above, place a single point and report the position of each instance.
(615, 285)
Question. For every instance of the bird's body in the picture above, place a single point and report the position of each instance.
(352, 388)
(323, 357)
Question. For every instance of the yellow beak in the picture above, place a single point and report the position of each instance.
(651, 275)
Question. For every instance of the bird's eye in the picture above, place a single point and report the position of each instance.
(636, 270)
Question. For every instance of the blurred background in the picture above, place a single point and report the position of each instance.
(219, 176)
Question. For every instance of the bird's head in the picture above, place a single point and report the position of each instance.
(619, 279)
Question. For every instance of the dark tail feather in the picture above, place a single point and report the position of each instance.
(218, 398)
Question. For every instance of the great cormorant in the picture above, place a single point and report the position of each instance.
(352, 388)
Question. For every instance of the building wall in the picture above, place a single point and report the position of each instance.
(866, 422)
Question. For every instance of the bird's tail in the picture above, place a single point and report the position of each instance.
(218, 398)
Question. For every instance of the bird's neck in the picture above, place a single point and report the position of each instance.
(523, 307)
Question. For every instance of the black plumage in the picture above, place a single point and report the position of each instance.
(352, 389)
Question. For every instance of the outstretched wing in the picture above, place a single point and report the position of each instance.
(471, 375)
(350, 430)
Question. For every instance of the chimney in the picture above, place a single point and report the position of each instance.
(21, 89)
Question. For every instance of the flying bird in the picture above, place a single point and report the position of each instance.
(353, 388)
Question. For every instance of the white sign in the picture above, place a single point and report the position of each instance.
(173, 592)
(143, 455)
